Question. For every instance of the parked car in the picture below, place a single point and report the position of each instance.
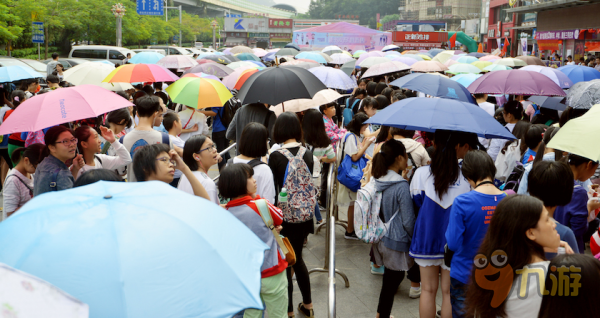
(36, 65)
(113, 54)
(172, 50)
(9, 61)
(68, 62)
(159, 51)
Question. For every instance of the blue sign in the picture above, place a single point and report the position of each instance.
(150, 7)
(175, 38)
(237, 24)
(37, 32)
(228, 15)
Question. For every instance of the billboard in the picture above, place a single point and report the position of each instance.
(346, 41)
(247, 24)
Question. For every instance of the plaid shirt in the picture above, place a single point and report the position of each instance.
(334, 132)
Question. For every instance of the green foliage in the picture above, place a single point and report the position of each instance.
(26, 53)
(9, 22)
(390, 17)
(327, 9)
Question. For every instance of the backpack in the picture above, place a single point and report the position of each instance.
(368, 225)
(229, 110)
(302, 193)
(252, 163)
(36, 137)
(348, 113)
(514, 178)
(351, 172)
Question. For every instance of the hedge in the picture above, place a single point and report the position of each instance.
(29, 52)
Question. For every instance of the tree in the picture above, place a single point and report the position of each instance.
(328, 9)
(9, 22)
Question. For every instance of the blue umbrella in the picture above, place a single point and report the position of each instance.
(146, 58)
(312, 56)
(257, 63)
(333, 77)
(579, 73)
(467, 59)
(269, 57)
(477, 54)
(430, 114)
(434, 85)
(434, 52)
(465, 79)
(16, 73)
(139, 249)
(247, 57)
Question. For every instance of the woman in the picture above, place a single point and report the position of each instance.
(199, 154)
(469, 220)
(253, 146)
(512, 151)
(287, 131)
(434, 189)
(519, 231)
(236, 183)
(397, 208)
(532, 140)
(59, 72)
(90, 146)
(547, 154)
(512, 113)
(18, 185)
(52, 174)
(30, 87)
(334, 132)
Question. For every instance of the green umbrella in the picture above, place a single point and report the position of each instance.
(580, 136)
(247, 57)
(462, 68)
(496, 67)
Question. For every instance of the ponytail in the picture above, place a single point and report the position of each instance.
(17, 97)
(383, 160)
(33, 153)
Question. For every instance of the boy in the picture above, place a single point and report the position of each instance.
(173, 126)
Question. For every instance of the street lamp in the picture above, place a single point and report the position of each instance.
(214, 24)
(119, 11)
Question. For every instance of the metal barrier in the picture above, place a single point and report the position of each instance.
(333, 191)
(221, 154)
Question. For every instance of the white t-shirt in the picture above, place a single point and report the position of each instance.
(351, 144)
(118, 161)
(571, 63)
(187, 123)
(176, 141)
(137, 139)
(207, 183)
(528, 305)
(488, 107)
(264, 180)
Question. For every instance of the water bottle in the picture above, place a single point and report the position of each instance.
(283, 195)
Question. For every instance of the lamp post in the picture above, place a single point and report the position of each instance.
(119, 11)
(214, 26)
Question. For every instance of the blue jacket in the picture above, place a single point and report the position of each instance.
(574, 215)
(47, 171)
(566, 234)
(396, 198)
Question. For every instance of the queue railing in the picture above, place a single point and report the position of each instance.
(226, 150)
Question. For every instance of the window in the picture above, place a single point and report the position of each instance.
(173, 51)
(448, 10)
(116, 55)
(431, 11)
(84, 54)
(505, 16)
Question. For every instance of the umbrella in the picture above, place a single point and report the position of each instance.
(331, 48)
(433, 85)
(198, 92)
(467, 59)
(555, 103)
(349, 67)
(340, 58)
(390, 47)
(442, 57)
(146, 58)
(413, 56)
(203, 55)
(386, 68)
(259, 52)
(287, 51)
(450, 62)
(203, 75)
(430, 114)
(393, 53)
(16, 73)
(130, 73)
(276, 85)
(178, 62)
(105, 62)
(325, 96)
(410, 52)
(137, 249)
(116, 87)
(435, 52)
(358, 53)
(231, 79)
(257, 63)
(25, 295)
(477, 54)
(461, 68)
(62, 106)
(215, 69)
(584, 95)
(367, 55)
(202, 61)
(226, 51)
(221, 59)
(496, 67)
(406, 60)
(425, 57)
(230, 58)
(315, 56)
(241, 49)
(515, 82)
(302, 64)
(481, 64)
(333, 77)
(510, 62)
(465, 79)
(247, 57)
(428, 66)
(555, 75)
(580, 136)
(235, 65)
(579, 73)
(370, 61)
(88, 73)
(531, 60)
(490, 58)
(269, 57)
(292, 46)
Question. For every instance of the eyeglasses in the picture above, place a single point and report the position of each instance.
(167, 161)
(209, 148)
(67, 142)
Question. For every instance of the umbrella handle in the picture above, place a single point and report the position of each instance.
(282, 107)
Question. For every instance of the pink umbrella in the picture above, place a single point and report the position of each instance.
(232, 78)
(179, 62)
(259, 52)
(515, 82)
(404, 59)
(62, 106)
(429, 66)
(386, 68)
(450, 62)
(489, 58)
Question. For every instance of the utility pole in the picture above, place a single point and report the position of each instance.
(214, 24)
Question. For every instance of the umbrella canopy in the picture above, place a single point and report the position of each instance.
(203, 55)
(370, 61)
(393, 53)
(465, 79)
(179, 62)
(413, 56)
(490, 58)
(318, 57)
(227, 51)
(88, 73)
(434, 85)
(367, 55)
(450, 62)
(555, 103)
(477, 54)
(496, 67)
(138, 249)
(292, 46)
(202, 61)
(579, 73)
(325, 96)
(430, 114)
(199, 92)
(116, 87)
(241, 49)
(406, 60)
(386, 68)
(231, 79)
(578, 136)
(203, 75)
(425, 57)
(481, 64)
(410, 52)
(461, 68)
(62, 106)
(259, 52)
(302, 64)
(333, 78)
(510, 62)
(584, 95)
(131, 73)
(349, 67)
(442, 57)
(247, 57)
(221, 59)
(515, 82)
(390, 47)
(429, 66)
(531, 60)
(236, 65)
(358, 53)
(269, 57)
(331, 48)
(287, 51)
(25, 295)
(146, 58)
(16, 73)
(230, 58)
(340, 58)
(275, 85)
(435, 52)
(467, 59)
(215, 69)
(555, 75)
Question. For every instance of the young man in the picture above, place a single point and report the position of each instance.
(53, 81)
(570, 60)
(51, 67)
(256, 112)
(173, 126)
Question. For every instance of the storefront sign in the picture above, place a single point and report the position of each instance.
(427, 37)
(417, 46)
(246, 24)
(281, 23)
(236, 34)
(281, 35)
(549, 45)
(258, 35)
(557, 35)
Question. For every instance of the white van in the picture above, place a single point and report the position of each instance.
(114, 54)
(172, 50)
(159, 51)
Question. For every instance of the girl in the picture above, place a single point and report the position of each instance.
(334, 132)
(397, 208)
(18, 185)
(546, 154)
(14, 140)
(236, 183)
(434, 189)
(469, 220)
(30, 87)
(59, 71)
(533, 139)
(52, 174)
(369, 106)
(90, 146)
(512, 151)
(200, 153)
(512, 113)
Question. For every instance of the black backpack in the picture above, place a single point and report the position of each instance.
(514, 178)
(229, 110)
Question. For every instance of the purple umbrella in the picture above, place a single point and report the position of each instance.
(555, 75)
(515, 82)
(215, 69)
(406, 60)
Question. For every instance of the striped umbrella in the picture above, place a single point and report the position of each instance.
(202, 75)
(199, 92)
(131, 73)
(231, 80)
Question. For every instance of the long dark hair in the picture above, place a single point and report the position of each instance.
(571, 113)
(386, 157)
(513, 217)
(519, 131)
(314, 129)
(383, 134)
(356, 123)
(82, 134)
(20, 97)
(548, 134)
(444, 164)
(33, 153)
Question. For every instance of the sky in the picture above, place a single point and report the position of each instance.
(300, 5)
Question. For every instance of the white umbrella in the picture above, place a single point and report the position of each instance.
(26, 296)
(373, 60)
(115, 87)
(179, 62)
(390, 47)
(331, 48)
(325, 96)
(386, 68)
(88, 73)
(340, 58)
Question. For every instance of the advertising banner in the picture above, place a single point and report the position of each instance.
(247, 24)
(281, 23)
(346, 41)
(557, 35)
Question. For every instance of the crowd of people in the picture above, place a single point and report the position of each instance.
(455, 210)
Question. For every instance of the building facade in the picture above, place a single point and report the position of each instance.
(260, 32)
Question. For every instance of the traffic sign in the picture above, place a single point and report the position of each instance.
(149, 7)
(37, 32)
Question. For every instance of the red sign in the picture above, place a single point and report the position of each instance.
(549, 45)
(418, 46)
(281, 23)
(419, 37)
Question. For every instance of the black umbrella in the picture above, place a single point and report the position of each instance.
(275, 85)
(555, 103)
(231, 58)
(292, 46)
(217, 58)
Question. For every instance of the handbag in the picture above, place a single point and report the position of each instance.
(351, 172)
(283, 242)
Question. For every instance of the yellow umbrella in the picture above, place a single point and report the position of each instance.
(481, 64)
(425, 57)
(443, 57)
(347, 53)
(580, 135)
